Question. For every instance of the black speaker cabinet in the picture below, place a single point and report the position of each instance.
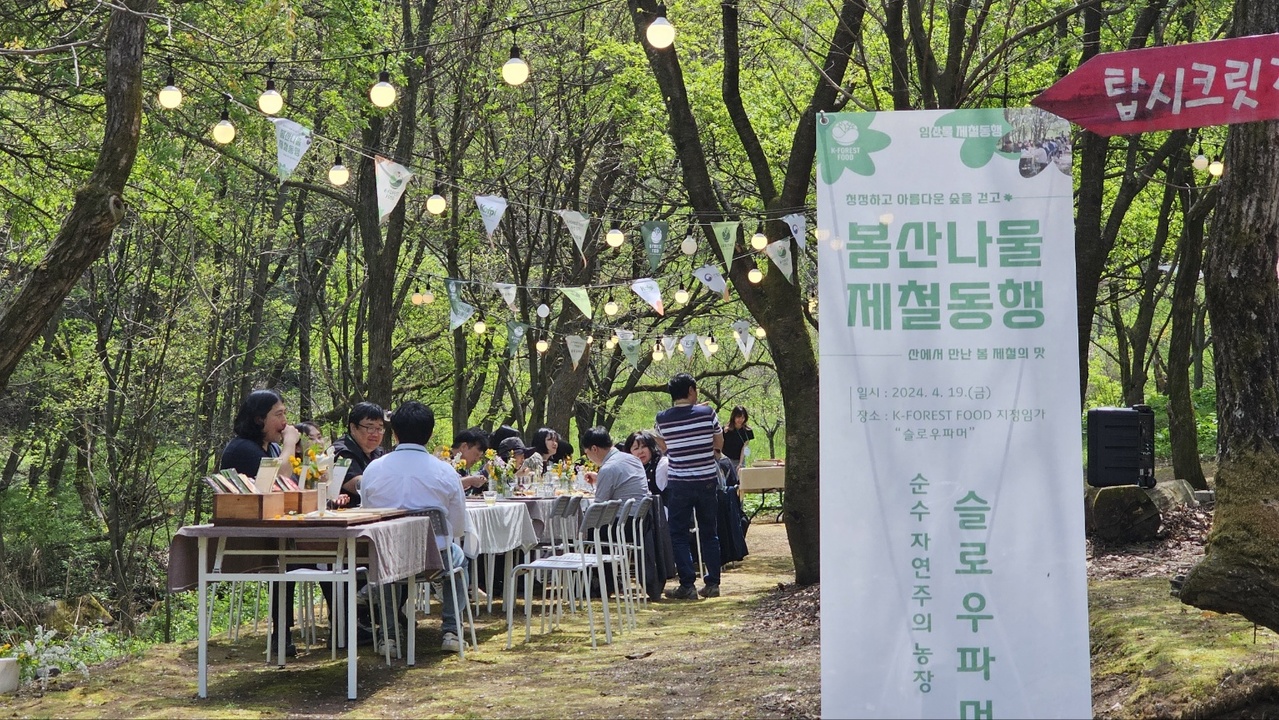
(1121, 446)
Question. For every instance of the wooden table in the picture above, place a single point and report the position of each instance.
(762, 479)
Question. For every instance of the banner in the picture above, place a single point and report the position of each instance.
(951, 515)
(668, 345)
(580, 299)
(630, 350)
(650, 292)
(492, 207)
(507, 291)
(291, 143)
(577, 224)
(712, 279)
(459, 310)
(515, 332)
(688, 344)
(798, 225)
(726, 237)
(779, 252)
(745, 340)
(576, 348)
(392, 179)
(654, 234)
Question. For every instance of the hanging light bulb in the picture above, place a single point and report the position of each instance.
(755, 275)
(382, 94)
(418, 299)
(657, 353)
(1216, 168)
(436, 204)
(611, 342)
(543, 346)
(681, 296)
(614, 238)
(689, 246)
(712, 346)
(224, 131)
(590, 339)
(515, 71)
(759, 333)
(543, 310)
(1200, 162)
(338, 174)
(614, 340)
(610, 307)
(660, 32)
(170, 96)
(428, 297)
(481, 327)
(270, 101)
(759, 241)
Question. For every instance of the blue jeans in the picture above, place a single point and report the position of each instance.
(682, 500)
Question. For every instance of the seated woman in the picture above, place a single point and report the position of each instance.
(548, 444)
(643, 445)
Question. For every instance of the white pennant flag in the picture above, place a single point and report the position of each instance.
(648, 289)
(688, 344)
(798, 225)
(459, 310)
(625, 334)
(392, 180)
(745, 339)
(577, 224)
(492, 208)
(291, 143)
(712, 278)
(705, 344)
(668, 344)
(576, 348)
(507, 291)
(780, 253)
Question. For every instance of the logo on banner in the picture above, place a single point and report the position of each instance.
(291, 143)
(852, 144)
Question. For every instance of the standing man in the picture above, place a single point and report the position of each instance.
(362, 444)
(411, 478)
(693, 444)
(621, 475)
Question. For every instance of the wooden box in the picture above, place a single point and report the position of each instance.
(300, 501)
(247, 506)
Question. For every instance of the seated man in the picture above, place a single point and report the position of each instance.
(410, 477)
(362, 444)
(621, 475)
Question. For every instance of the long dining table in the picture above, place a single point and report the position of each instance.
(391, 549)
(500, 529)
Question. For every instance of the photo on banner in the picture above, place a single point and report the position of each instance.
(951, 467)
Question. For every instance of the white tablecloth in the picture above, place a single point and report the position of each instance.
(501, 527)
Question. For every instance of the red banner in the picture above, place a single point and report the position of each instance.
(1171, 88)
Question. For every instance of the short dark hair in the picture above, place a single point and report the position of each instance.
(366, 411)
(680, 385)
(596, 437)
(646, 438)
(510, 445)
(413, 423)
(252, 414)
(739, 410)
(540, 437)
(472, 436)
(305, 428)
(502, 433)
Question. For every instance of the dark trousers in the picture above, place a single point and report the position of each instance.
(684, 500)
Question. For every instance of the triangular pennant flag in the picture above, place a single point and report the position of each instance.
(648, 289)
(654, 233)
(577, 224)
(459, 310)
(576, 348)
(669, 344)
(726, 238)
(507, 291)
(515, 332)
(745, 340)
(712, 278)
(492, 208)
(392, 180)
(798, 225)
(780, 253)
(705, 344)
(625, 334)
(688, 344)
(579, 298)
(291, 142)
(630, 350)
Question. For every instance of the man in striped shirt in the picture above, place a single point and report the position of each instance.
(693, 443)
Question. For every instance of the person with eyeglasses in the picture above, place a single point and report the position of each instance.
(362, 444)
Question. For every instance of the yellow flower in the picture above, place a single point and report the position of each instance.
(490, 453)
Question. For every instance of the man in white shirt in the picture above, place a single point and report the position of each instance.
(410, 477)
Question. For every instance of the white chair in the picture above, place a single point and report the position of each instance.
(444, 538)
(634, 546)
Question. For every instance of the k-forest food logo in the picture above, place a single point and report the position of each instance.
(850, 142)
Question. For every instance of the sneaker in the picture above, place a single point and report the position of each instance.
(451, 643)
(709, 591)
(683, 592)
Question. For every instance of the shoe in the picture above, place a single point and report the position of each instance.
(451, 643)
(683, 592)
(709, 591)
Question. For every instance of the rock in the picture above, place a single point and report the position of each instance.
(1172, 493)
(1124, 513)
(1206, 497)
(66, 615)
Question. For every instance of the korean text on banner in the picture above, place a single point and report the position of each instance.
(951, 514)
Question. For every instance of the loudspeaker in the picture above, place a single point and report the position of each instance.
(1121, 446)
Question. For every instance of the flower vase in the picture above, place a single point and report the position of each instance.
(9, 675)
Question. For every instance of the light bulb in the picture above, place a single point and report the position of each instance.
(712, 346)
(270, 101)
(755, 275)
(543, 346)
(657, 353)
(1200, 162)
(759, 241)
(610, 308)
(428, 297)
(481, 327)
(224, 131)
(590, 339)
(515, 71)
(759, 333)
(681, 296)
(614, 340)
(689, 246)
(417, 298)
(611, 342)
(660, 32)
(382, 94)
(543, 310)
(1216, 168)
(170, 95)
(338, 174)
(436, 204)
(614, 238)
(886, 219)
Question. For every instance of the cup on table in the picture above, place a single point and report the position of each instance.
(490, 497)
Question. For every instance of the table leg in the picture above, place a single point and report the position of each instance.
(490, 560)
(281, 600)
(202, 583)
(351, 643)
(412, 613)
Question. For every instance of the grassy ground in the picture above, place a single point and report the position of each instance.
(685, 659)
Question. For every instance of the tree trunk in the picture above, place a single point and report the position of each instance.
(1182, 432)
(1240, 572)
(99, 204)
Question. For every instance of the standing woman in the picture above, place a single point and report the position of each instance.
(736, 435)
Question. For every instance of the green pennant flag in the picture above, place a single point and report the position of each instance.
(579, 298)
(630, 351)
(654, 233)
(515, 332)
(459, 309)
(726, 238)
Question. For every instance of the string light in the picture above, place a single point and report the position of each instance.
(543, 346)
(614, 237)
(712, 346)
(270, 101)
(681, 296)
(543, 311)
(1216, 168)
(418, 299)
(224, 131)
(436, 204)
(610, 307)
(611, 342)
(755, 275)
(759, 241)
(759, 333)
(658, 355)
(515, 71)
(689, 246)
(382, 94)
(428, 297)
(481, 327)
(338, 174)
(660, 32)
(170, 96)
(1200, 162)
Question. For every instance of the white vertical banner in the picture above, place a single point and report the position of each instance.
(951, 514)
(291, 143)
(392, 180)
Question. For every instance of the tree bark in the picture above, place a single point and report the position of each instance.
(1182, 432)
(99, 205)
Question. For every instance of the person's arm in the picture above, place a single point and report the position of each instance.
(288, 448)
(718, 441)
